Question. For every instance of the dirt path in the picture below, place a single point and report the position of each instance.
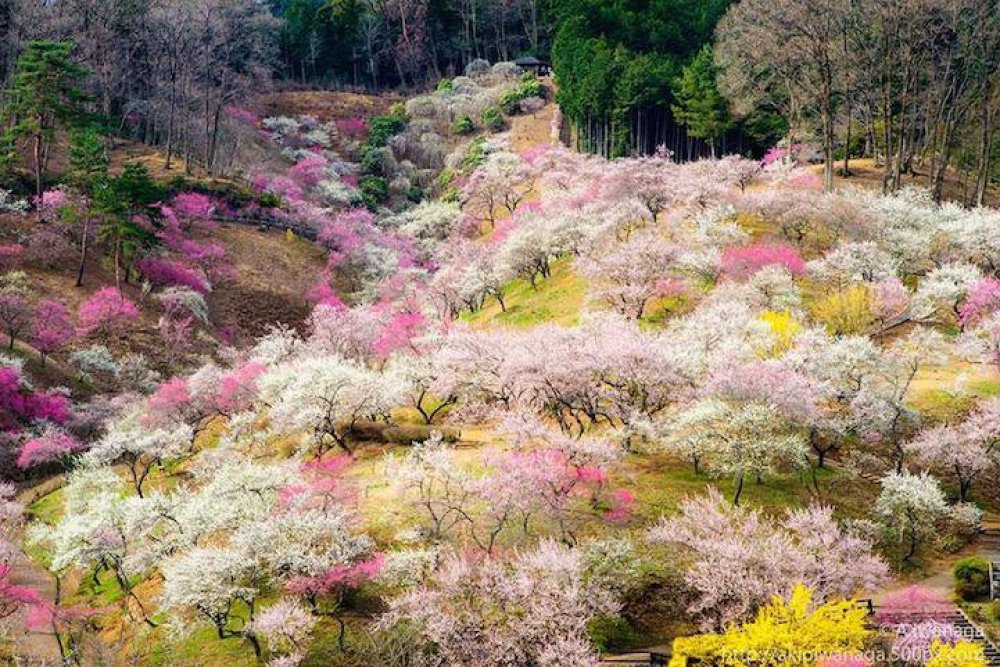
(36, 649)
(530, 130)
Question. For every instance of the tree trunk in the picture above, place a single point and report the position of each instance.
(83, 251)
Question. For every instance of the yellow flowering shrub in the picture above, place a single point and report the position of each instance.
(849, 311)
(962, 654)
(785, 328)
(784, 633)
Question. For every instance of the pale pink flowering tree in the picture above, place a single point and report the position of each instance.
(484, 611)
(736, 559)
(913, 604)
(982, 300)
(628, 275)
(964, 451)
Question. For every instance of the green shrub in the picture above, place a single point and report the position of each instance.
(398, 109)
(383, 128)
(509, 100)
(972, 578)
(414, 193)
(446, 84)
(269, 200)
(493, 119)
(529, 86)
(374, 190)
(463, 125)
(611, 633)
(373, 162)
(476, 155)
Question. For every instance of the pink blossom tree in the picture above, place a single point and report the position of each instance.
(105, 313)
(913, 604)
(982, 300)
(20, 406)
(52, 445)
(741, 263)
(164, 272)
(51, 328)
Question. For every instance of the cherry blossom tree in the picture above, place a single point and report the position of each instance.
(15, 316)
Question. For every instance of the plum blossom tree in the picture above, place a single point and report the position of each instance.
(942, 291)
(965, 451)
(736, 559)
(52, 444)
(628, 276)
(105, 313)
(141, 449)
(439, 488)
(51, 328)
(982, 300)
(20, 406)
(15, 316)
(532, 609)
(162, 272)
(736, 439)
(741, 263)
(913, 509)
(328, 396)
(501, 184)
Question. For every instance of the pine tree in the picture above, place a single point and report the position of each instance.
(700, 106)
(42, 98)
(88, 171)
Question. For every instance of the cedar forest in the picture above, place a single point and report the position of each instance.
(516, 333)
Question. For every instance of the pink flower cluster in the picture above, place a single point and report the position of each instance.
(165, 272)
(743, 262)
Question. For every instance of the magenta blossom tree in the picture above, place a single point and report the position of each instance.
(20, 406)
(165, 272)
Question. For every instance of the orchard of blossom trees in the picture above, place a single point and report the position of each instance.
(733, 427)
